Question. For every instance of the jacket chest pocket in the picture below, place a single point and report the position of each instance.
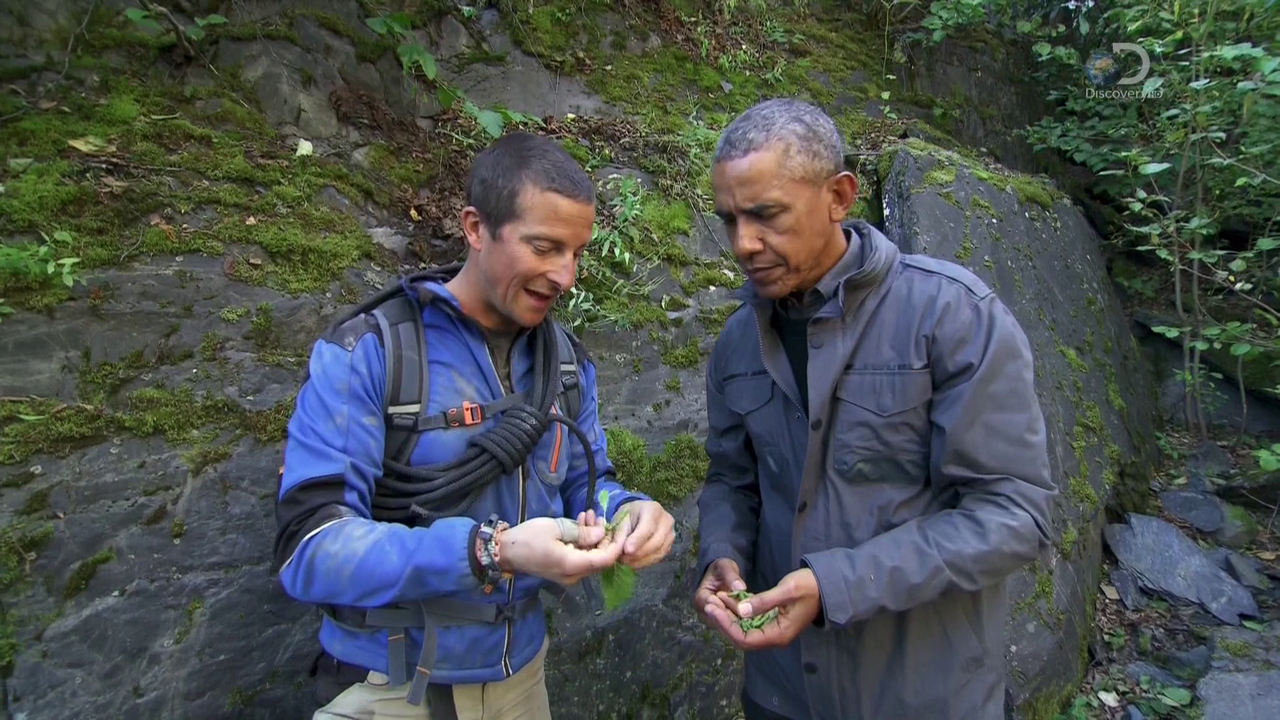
(880, 415)
(749, 397)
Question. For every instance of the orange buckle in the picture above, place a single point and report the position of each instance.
(471, 414)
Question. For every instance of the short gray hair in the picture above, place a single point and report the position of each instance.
(810, 140)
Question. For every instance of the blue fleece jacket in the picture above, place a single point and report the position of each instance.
(330, 549)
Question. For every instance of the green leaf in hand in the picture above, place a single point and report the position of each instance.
(618, 583)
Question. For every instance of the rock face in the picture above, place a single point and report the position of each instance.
(144, 558)
(1043, 259)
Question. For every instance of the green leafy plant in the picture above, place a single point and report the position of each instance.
(415, 61)
(29, 264)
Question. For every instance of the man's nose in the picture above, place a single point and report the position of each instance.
(563, 274)
(745, 240)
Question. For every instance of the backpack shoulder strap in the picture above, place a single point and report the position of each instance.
(404, 345)
(570, 392)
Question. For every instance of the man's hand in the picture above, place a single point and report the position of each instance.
(796, 599)
(557, 550)
(722, 577)
(646, 533)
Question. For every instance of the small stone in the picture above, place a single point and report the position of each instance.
(1203, 511)
(1128, 589)
(1210, 459)
(1137, 670)
(1192, 663)
(1244, 571)
(1238, 528)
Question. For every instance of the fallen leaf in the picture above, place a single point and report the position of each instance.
(1109, 698)
(251, 220)
(90, 145)
(304, 147)
(1110, 592)
(413, 213)
(47, 104)
(19, 164)
(1266, 555)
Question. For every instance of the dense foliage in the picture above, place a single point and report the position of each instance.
(1181, 149)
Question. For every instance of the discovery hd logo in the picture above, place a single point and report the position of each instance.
(1104, 74)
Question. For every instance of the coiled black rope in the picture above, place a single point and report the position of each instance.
(449, 488)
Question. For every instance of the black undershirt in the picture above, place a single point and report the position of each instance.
(791, 322)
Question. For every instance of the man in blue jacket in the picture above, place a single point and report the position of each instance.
(427, 554)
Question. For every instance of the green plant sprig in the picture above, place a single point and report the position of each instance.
(753, 623)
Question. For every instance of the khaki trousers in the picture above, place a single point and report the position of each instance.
(523, 696)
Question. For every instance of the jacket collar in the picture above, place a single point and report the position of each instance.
(864, 265)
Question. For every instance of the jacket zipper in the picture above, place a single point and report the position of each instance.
(764, 361)
(511, 584)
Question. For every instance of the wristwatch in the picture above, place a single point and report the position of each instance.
(487, 540)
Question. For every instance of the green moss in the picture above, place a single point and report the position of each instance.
(708, 275)
(84, 572)
(664, 218)
(189, 621)
(941, 175)
(19, 543)
(713, 319)
(36, 503)
(688, 355)
(44, 425)
(1041, 598)
(1081, 492)
(162, 164)
(668, 476)
(1071, 357)
(1236, 648)
(1027, 189)
(1049, 702)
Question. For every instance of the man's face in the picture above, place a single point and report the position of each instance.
(534, 258)
(781, 229)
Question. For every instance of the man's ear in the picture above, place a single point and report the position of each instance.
(472, 227)
(843, 189)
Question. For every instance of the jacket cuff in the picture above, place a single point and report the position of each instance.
(627, 496)
(473, 559)
(708, 554)
(837, 607)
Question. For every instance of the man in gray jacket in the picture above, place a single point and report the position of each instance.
(878, 455)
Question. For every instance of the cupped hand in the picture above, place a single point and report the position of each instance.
(796, 600)
(710, 599)
(647, 533)
(557, 549)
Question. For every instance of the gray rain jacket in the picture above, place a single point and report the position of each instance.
(924, 482)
